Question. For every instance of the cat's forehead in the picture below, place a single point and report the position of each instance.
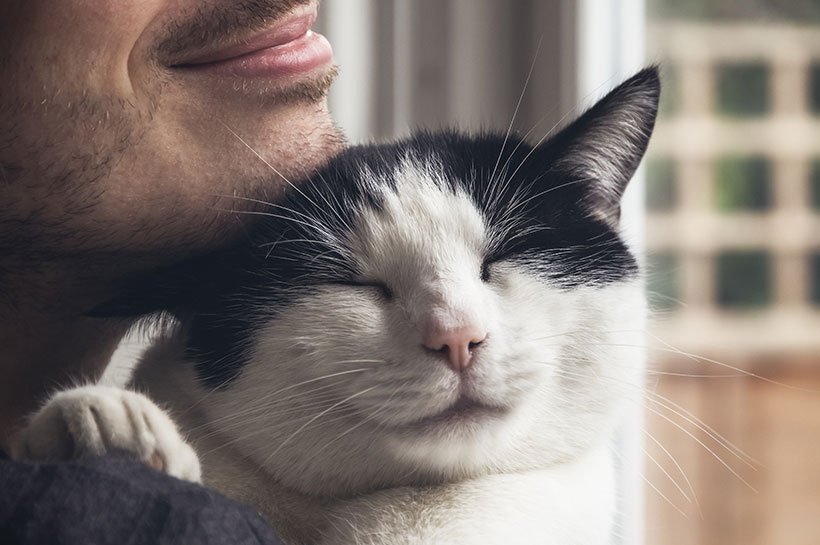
(418, 212)
(423, 194)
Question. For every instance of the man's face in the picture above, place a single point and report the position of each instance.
(122, 122)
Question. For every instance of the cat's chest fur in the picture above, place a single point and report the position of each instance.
(430, 341)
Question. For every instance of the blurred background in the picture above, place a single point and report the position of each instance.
(725, 449)
(733, 237)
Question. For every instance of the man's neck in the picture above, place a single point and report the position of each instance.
(43, 351)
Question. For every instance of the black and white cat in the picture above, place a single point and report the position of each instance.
(429, 342)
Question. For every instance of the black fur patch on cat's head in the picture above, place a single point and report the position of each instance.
(553, 207)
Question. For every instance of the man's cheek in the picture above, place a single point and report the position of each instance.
(81, 43)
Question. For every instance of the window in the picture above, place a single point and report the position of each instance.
(743, 279)
(742, 89)
(746, 75)
(742, 184)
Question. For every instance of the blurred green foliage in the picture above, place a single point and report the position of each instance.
(742, 184)
(814, 184)
(797, 11)
(814, 278)
(814, 88)
(744, 279)
(742, 89)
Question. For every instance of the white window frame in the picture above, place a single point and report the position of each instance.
(611, 47)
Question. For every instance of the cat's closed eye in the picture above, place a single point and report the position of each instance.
(489, 266)
(382, 288)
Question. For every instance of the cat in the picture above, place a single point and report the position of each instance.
(431, 341)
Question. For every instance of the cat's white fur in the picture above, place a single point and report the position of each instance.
(321, 429)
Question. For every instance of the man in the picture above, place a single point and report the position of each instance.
(130, 132)
(126, 130)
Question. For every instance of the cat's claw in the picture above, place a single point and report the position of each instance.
(94, 420)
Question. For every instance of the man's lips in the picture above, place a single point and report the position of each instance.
(286, 31)
(287, 48)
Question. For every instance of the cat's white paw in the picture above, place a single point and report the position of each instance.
(95, 419)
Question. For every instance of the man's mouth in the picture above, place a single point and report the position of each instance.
(287, 47)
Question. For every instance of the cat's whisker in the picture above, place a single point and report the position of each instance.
(654, 296)
(693, 357)
(661, 401)
(646, 480)
(334, 208)
(322, 413)
(207, 395)
(264, 410)
(666, 473)
(339, 362)
(379, 410)
(722, 441)
(309, 381)
(290, 241)
(526, 135)
(281, 418)
(664, 496)
(554, 335)
(540, 194)
(263, 430)
(517, 106)
(588, 332)
(246, 199)
(314, 219)
(684, 414)
(272, 215)
(705, 446)
(699, 359)
(705, 428)
(528, 155)
(691, 375)
(678, 467)
(311, 221)
(241, 419)
(266, 162)
(703, 359)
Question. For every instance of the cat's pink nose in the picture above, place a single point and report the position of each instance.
(456, 344)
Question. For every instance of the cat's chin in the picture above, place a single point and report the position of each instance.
(462, 441)
(463, 415)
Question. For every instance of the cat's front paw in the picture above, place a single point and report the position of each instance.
(93, 420)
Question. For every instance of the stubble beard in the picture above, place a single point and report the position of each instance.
(51, 237)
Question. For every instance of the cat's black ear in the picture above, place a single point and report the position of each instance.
(177, 289)
(603, 147)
